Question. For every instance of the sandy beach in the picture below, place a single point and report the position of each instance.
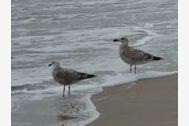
(148, 102)
(79, 35)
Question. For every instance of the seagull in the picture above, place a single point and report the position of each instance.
(133, 56)
(66, 76)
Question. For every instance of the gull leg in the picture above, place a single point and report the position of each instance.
(130, 68)
(135, 68)
(69, 89)
(63, 90)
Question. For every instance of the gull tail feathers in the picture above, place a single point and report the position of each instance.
(85, 76)
(157, 58)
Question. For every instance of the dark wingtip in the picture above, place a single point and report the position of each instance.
(91, 76)
(157, 58)
(85, 76)
(116, 40)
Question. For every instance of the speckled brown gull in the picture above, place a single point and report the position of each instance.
(65, 76)
(133, 56)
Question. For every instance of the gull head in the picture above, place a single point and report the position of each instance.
(123, 40)
(54, 64)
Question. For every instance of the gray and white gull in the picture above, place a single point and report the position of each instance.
(133, 56)
(65, 76)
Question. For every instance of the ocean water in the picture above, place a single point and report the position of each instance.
(79, 34)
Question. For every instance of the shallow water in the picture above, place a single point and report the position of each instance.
(79, 34)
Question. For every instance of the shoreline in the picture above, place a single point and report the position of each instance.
(109, 104)
(145, 102)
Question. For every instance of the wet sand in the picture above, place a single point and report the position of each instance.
(49, 111)
(148, 102)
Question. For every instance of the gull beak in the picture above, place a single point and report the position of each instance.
(116, 40)
(49, 64)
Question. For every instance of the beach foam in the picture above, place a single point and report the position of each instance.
(80, 37)
(85, 91)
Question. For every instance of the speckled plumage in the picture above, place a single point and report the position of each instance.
(133, 56)
(65, 76)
